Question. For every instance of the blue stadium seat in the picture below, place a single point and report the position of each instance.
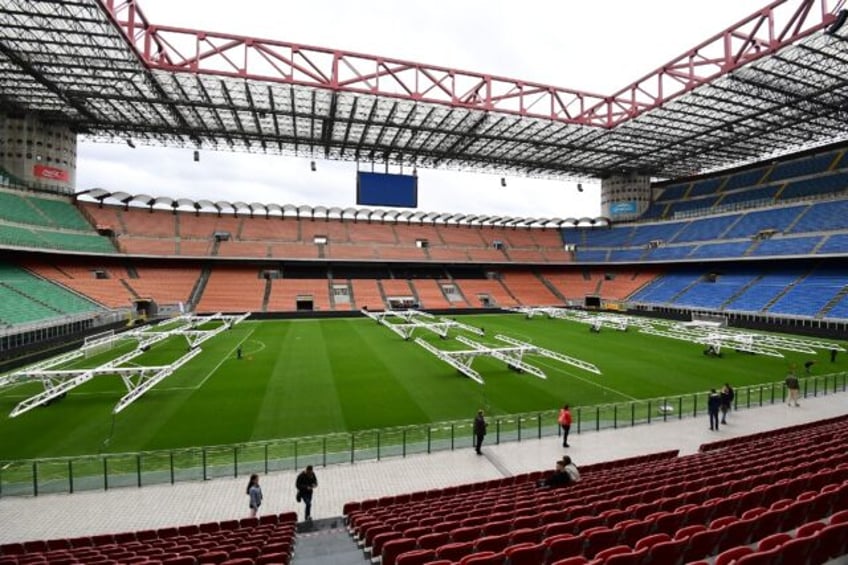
(824, 216)
(721, 250)
(705, 187)
(764, 290)
(668, 253)
(643, 234)
(744, 179)
(763, 193)
(704, 203)
(626, 255)
(705, 229)
(664, 288)
(673, 192)
(787, 246)
(774, 218)
(836, 243)
(591, 255)
(803, 166)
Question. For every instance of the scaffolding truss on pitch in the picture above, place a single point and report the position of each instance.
(748, 342)
(512, 354)
(601, 320)
(137, 379)
(416, 319)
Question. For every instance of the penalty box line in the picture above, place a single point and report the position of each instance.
(585, 380)
(218, 366)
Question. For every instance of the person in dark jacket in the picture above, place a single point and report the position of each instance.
(713, 407)
(727, 395)
(559, 478)
(305, 484)
(479, 431)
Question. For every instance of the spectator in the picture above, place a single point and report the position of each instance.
(794, 388)
(565, 423)
(713, 406)
(255, 494)
(479, 431)
(809, 365)
(559, 478)
(833, 352)
(571, 469)
(305, 484)
(726, 395)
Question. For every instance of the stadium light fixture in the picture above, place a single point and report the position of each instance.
(837, 23)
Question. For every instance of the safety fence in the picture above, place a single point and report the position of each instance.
(113, 470)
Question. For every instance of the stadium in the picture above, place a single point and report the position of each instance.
(158, 349)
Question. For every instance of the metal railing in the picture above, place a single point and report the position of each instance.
(112, 470)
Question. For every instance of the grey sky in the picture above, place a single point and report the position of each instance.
(598, 46)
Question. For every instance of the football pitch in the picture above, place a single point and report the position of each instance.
(311, 377)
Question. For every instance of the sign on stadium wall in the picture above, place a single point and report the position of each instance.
(50, 173)
(622, 208)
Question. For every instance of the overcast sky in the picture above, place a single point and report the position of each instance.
(595, 46)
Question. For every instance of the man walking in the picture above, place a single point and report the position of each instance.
(305, 484)
(713, 406)
(794, 388)
(479, 431)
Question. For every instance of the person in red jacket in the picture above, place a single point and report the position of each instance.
(565, 422)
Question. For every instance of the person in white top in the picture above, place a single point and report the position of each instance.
(571, 469)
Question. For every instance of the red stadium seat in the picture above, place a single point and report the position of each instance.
(526, 554)
(731, 555)
(416, 557)
(396, 547)
(628, 558)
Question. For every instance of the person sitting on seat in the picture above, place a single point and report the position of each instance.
(559, 478)
(571, 469)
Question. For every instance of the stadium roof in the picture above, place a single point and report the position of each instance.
(222, 207)
(772, 83)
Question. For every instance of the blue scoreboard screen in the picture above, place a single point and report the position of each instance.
(384, 189)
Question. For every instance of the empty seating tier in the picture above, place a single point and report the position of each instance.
(694, 507)
(266, 540)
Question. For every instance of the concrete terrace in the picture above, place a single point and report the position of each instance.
(130, 509)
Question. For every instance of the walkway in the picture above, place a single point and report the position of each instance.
(128, 509)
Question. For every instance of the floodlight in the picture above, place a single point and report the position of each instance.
(837, 23)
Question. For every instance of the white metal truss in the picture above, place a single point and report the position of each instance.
(513, 356)
(461, 361)
(713, 340)
(415, 319)
(556, 356)
(145, 383)
(138, 380)
(601, 320)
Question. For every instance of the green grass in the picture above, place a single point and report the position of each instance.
(311, 377)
